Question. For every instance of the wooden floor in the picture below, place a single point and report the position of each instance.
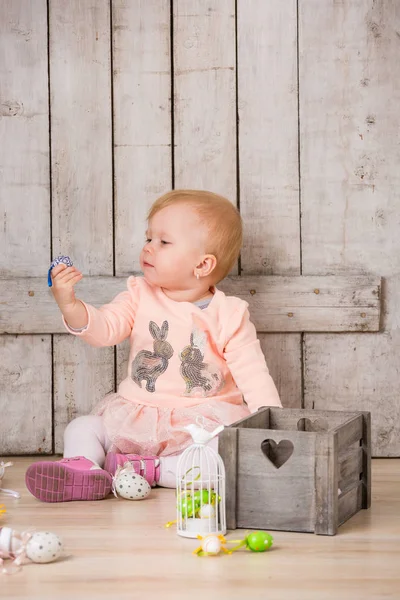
(118, 549)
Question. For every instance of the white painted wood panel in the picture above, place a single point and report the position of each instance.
(142, 127)
(268, 152)
(268, 164)
(360, 372)
(24, 147)
(349, 155)
(81, 135)
(83, 374)
(276, 303)
(205, 96)
(25, 361)
(142, 120)
(80, 90)
(25, 395)
(349, 121)
(283, 355)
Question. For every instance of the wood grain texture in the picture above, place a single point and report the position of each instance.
(349, 433)
(24, 134)
(268, 154)
(324, 303)
(258, 420)
(25, 371)
(290, 477)
(228, 450)
(271, 498)
(80, 86)
(318, 420)
(350, 502)
(355, 377)
(348, 152)
(103, 538)
(205, 95)
(367, 453)
(84, 376)
(282, 353)
(80, 90)
(349, 123)
(142, 120)
(28, 306)
(326, 484)
(350, 467)
(25, 395)
(268, 167)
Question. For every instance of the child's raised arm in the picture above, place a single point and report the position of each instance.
(111, 323)
(64, 279)
(105, 326)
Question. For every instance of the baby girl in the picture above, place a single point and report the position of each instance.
(194, 352)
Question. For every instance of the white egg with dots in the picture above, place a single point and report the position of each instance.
(44, 547)
(132, 486)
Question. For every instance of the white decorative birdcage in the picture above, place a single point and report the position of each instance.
(200, 486)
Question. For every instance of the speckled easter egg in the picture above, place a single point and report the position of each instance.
(259, 541)
(132, 486)
(44, 547)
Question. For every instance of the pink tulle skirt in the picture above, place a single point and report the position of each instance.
(140, 429)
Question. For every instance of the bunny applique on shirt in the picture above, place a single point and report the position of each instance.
(149, 365)
(201, 379)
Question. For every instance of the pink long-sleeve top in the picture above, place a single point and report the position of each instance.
(181, 355)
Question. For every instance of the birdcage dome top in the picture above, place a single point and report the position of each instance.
(200, 435)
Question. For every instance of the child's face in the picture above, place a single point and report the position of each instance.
(175, 245)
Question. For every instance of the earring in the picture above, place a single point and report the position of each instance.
(197, 276)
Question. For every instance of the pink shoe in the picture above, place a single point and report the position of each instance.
(75, 478)
(146, 466)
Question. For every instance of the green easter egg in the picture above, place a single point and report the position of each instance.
(201, 497)
(259, 541)
(185, 505)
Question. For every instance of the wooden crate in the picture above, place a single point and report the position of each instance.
(297, 470)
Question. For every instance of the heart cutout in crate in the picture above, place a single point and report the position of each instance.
(277, 454)
(315, 425)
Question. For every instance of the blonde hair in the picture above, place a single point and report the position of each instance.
(222, 219)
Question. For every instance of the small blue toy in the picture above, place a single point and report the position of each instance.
(60, 259)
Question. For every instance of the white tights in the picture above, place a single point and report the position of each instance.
(86, 436)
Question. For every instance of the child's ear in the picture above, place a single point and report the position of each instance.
(206, 266)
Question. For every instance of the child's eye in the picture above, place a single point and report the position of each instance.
(148, 240)
(164, 242)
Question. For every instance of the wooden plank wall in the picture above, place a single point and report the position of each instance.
(268, 164)
(278, 304)
(82, 198)
(288, 108)
(25, 361)
(350, 155)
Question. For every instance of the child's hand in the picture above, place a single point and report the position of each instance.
(63, 279)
